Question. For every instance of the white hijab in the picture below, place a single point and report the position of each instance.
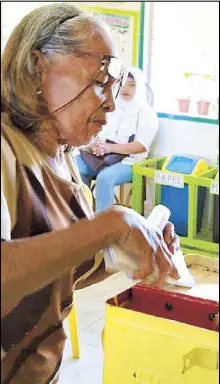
(124, 109)
(127, 108)
(116, 129)
(122, 123)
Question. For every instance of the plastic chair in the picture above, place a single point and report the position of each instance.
(72, 318)
(74, 332)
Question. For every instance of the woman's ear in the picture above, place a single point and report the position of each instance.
(40, 62)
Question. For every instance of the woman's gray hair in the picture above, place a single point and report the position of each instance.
(55, 28)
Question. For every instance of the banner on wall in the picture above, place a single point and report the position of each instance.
(124, 27)
(121, 29)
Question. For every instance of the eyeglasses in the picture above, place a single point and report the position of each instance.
(117, 71)
(110, 66)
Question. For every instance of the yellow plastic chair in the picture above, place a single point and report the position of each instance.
(74, 332)
(72, 318)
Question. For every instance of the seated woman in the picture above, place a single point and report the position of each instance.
(133, 126)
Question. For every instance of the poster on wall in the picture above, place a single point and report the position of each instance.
(121, 29)
(124, 26)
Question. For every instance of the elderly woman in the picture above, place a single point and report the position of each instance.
(129, 132)
(60, 73)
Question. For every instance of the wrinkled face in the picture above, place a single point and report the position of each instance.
(66, 77)
(128, 91)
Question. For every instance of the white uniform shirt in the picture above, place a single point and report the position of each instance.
(143, 125)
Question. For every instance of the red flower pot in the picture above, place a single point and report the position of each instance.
(203, 107)
(184, 105)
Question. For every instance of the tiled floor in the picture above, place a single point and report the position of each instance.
(90, 303)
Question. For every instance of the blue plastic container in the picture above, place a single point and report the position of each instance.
(176, 199)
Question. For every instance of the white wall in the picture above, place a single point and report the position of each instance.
(11, 14)
(186, 138)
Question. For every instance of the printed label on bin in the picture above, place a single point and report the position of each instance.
(214, 189)
(169, 179)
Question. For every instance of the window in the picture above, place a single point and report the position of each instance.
(183, 57)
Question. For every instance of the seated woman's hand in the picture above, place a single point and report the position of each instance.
(146, 244)
(97, 147)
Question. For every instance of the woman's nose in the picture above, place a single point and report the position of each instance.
(109, 104)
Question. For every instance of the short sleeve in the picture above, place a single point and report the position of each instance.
(147, 127)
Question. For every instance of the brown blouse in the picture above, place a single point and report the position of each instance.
(35, 200)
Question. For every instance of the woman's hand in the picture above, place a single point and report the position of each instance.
(172, 241)
(171, 238)
(97, 147)
(145, 243)
(100, 148)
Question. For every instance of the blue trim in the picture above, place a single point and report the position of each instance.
(187, 118)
